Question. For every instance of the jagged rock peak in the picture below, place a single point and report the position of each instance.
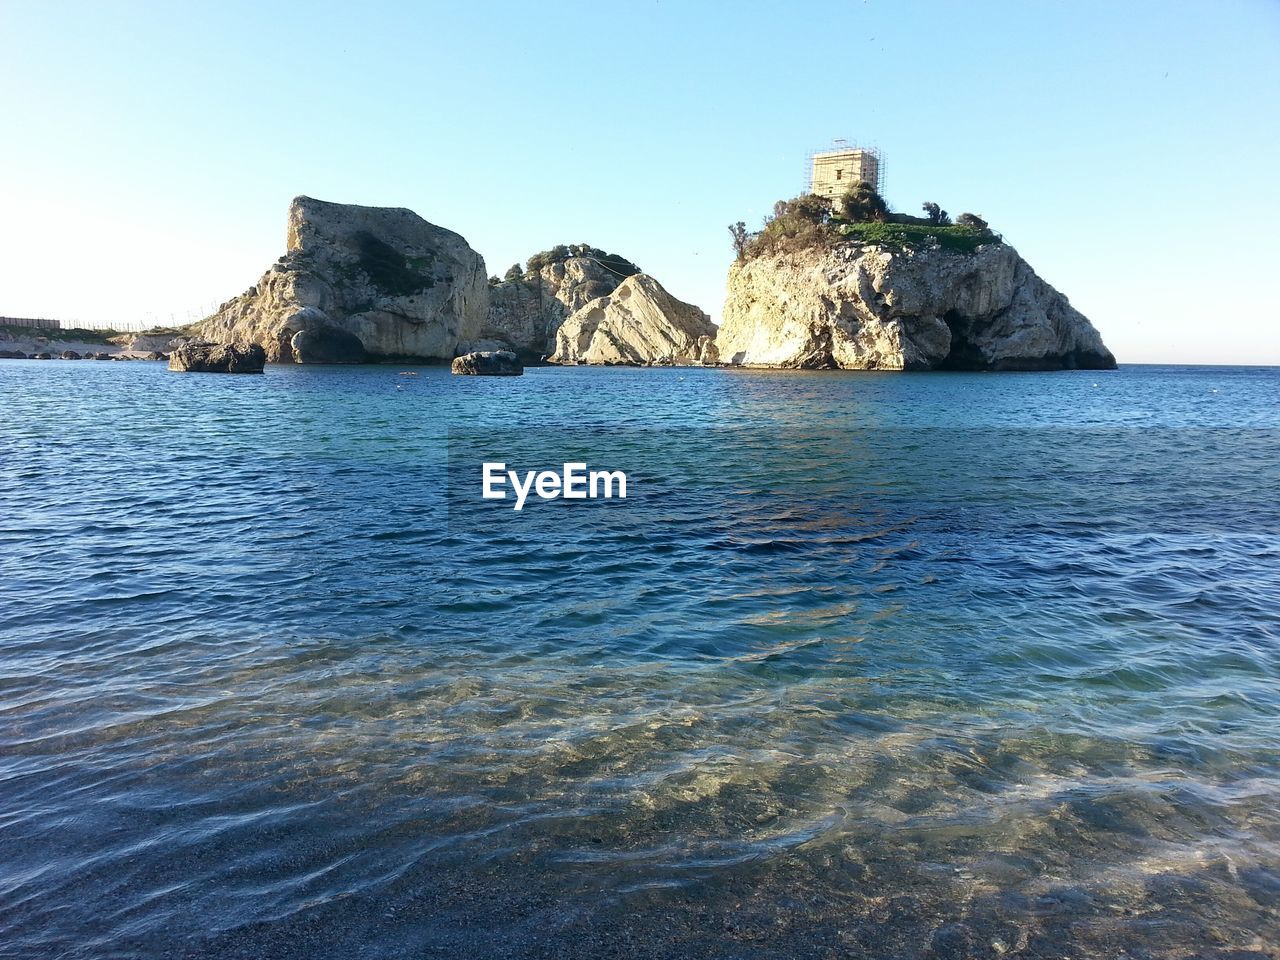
(525, 311)
(639, 323)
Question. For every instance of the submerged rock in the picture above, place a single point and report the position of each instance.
(639, 323)
(382, 277)
(12, 355)
(872, 308)
(200, 356)
(68, 355)
(489, 363)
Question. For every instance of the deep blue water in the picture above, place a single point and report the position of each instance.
(891, 665)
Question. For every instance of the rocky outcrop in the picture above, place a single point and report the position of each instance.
(488, 363)
(145, 343)
(639, 323)
(525, 313)
(874, 308)
(15, 342)
(200, 356)
(382, 277)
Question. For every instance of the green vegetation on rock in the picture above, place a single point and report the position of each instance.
(903, 235)
(862, 217)
(558, 254)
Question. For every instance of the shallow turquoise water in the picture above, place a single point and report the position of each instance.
(909, 665)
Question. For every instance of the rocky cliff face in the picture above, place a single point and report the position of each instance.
(524, 314)
(360, 283)
(638, 323)
(871, 308)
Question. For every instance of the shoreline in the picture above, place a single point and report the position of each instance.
(118, 354)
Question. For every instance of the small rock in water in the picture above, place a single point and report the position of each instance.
(489, 363)
(201, 356)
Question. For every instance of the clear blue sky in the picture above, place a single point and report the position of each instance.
(1129, 150)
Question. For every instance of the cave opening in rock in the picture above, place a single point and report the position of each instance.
(964, 353)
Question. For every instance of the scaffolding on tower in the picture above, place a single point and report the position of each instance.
(839, 149)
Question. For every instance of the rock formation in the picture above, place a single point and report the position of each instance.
(525, 313)
(151, 342)
(360, 283)
(488, 363)
(874, 308)
(638, 323)
(201, 356)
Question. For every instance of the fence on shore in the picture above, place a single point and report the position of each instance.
(120, 326)
(31, 323)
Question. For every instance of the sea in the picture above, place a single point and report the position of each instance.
(863, 664)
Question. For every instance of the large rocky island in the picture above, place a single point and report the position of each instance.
(815, 291)
(872, 308)
(356, 284)
(822, 286)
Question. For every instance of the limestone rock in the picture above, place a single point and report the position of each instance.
(400, 286)
(200, 356)
(638, 323)
(154, 342)
(525, 313)
(873, 308)
(489, 363)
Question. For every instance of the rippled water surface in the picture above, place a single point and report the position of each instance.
(887, 665)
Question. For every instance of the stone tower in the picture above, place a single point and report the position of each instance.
(835, 171)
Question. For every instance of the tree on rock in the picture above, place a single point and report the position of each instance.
(936, 214)
(514, 272)
(972, 221)
(862, 204)
(740, 238)
(809, 206)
